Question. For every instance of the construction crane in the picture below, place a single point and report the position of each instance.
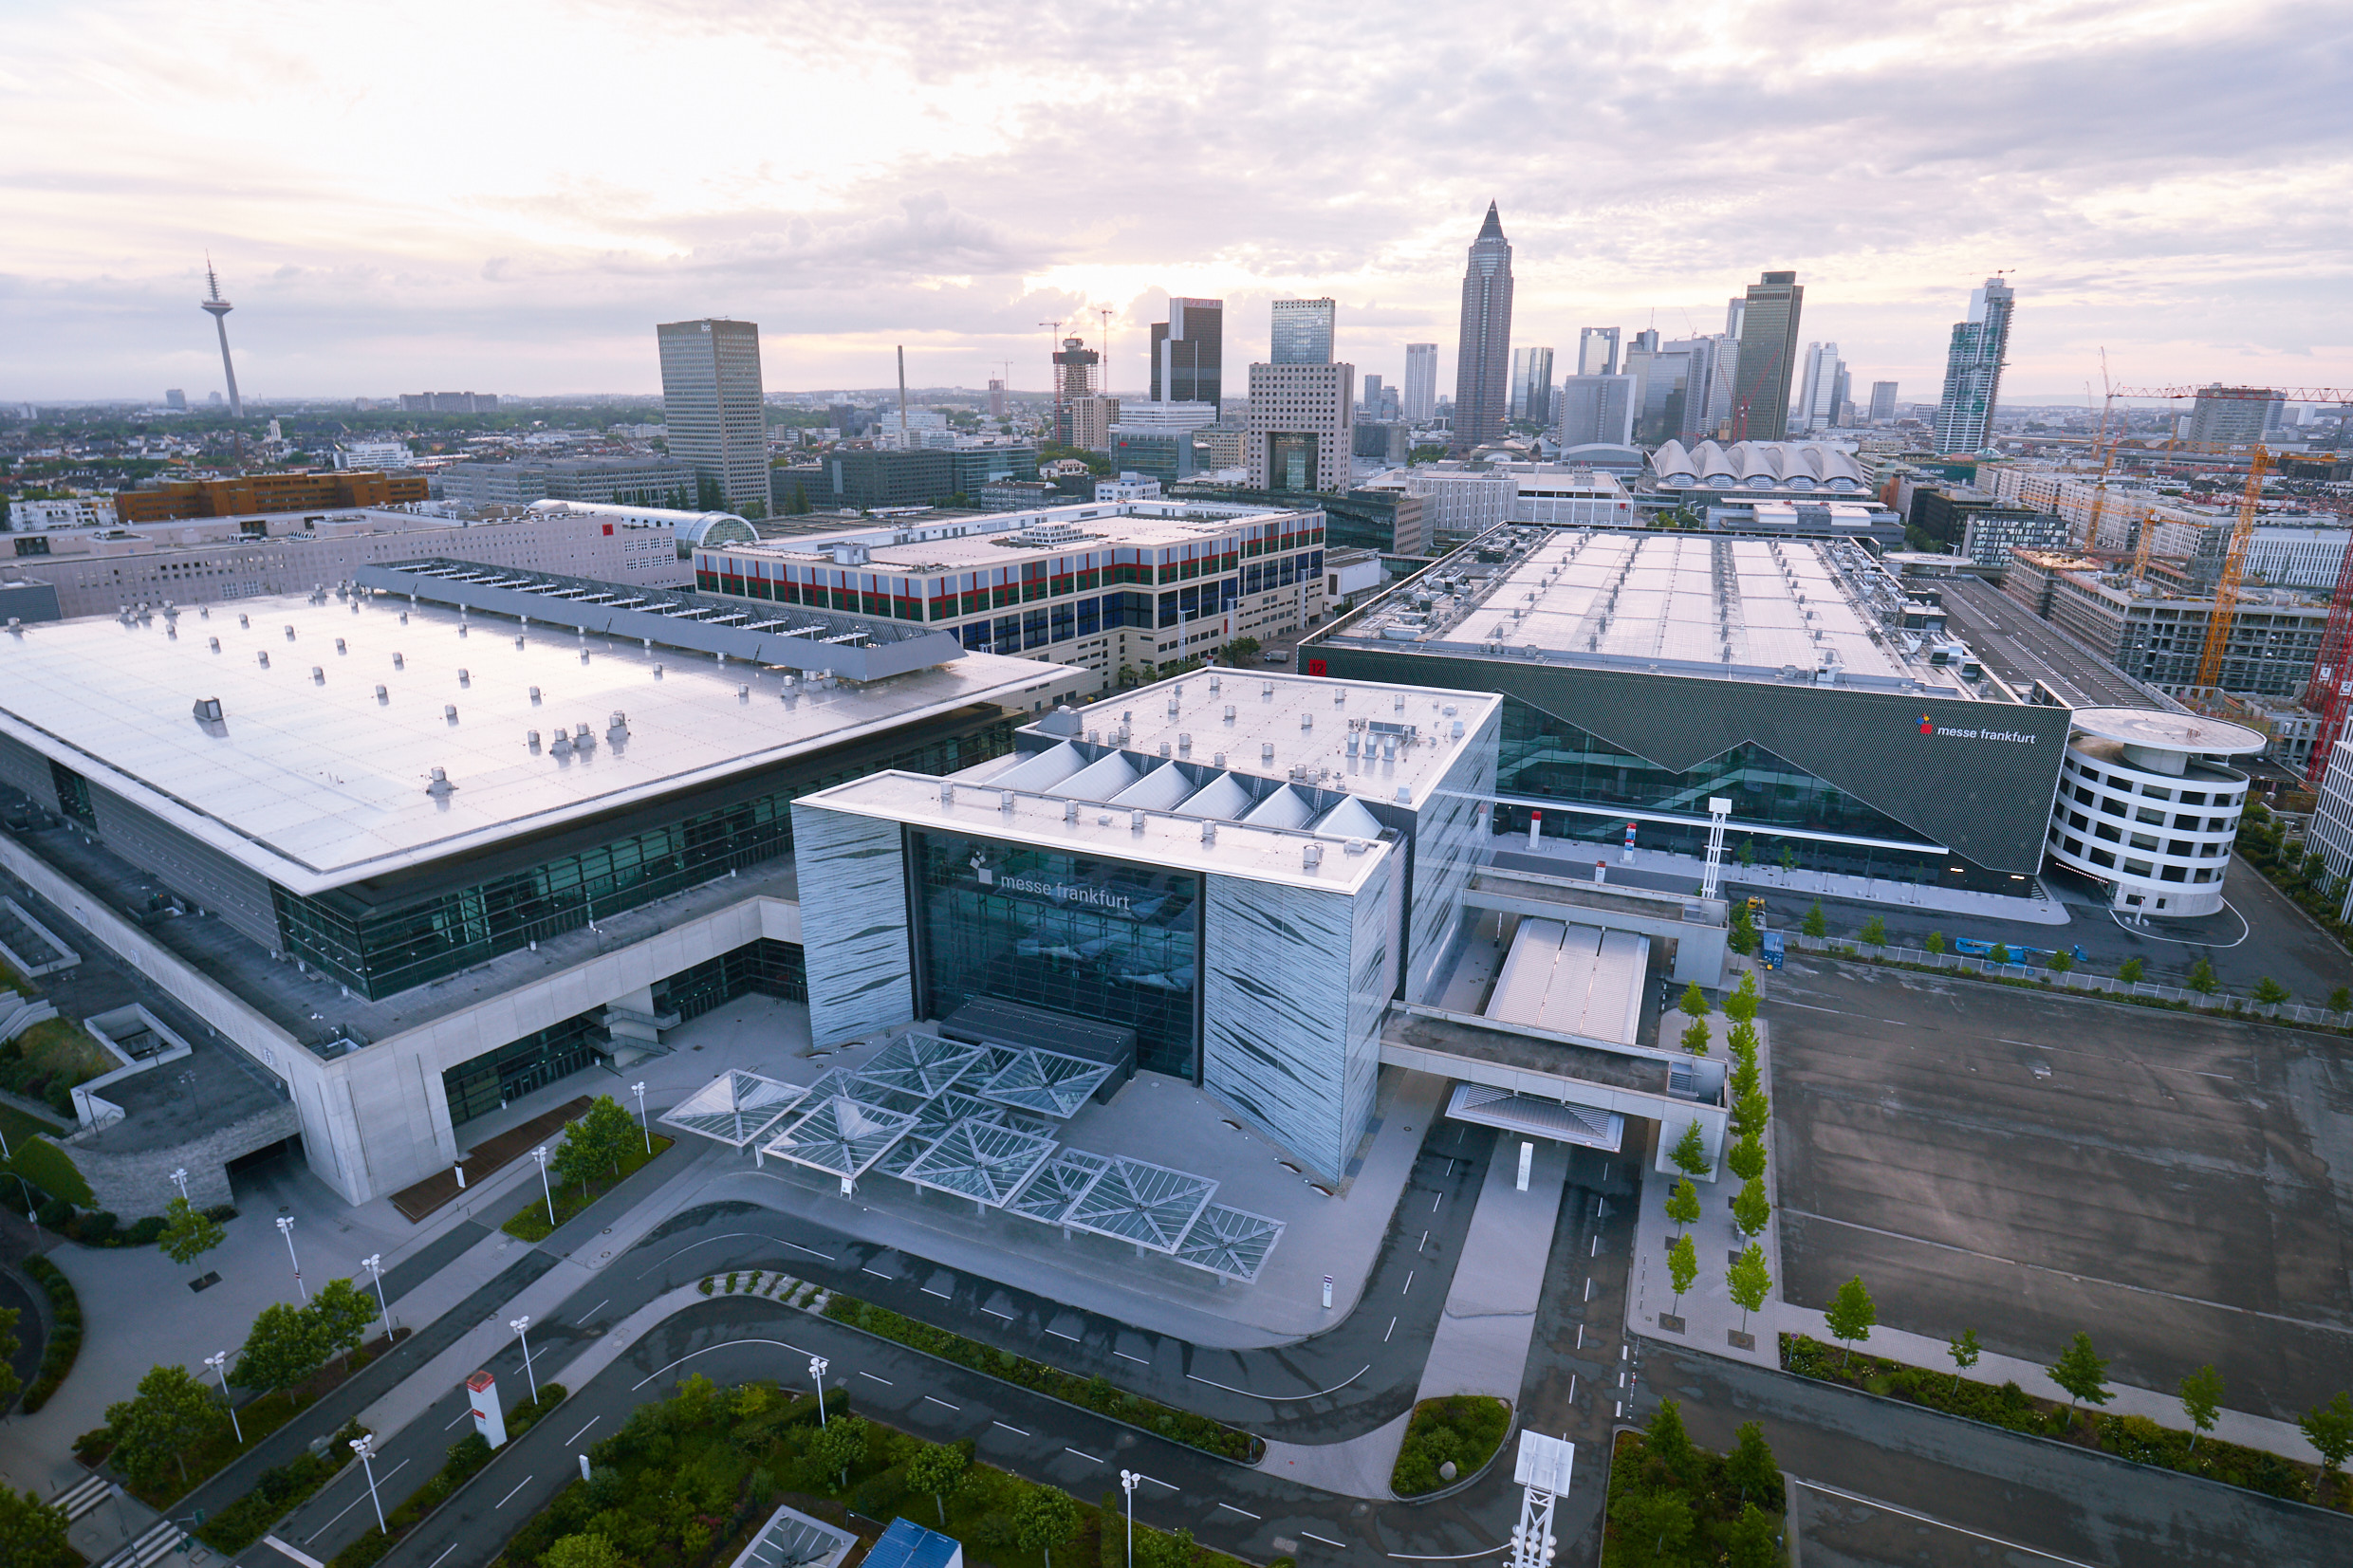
(2330, 694)
(2234, 565)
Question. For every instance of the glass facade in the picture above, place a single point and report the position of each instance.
(384, 945)
(1093, 938)
(1546, 757)
(757, 969)
(489, 1080)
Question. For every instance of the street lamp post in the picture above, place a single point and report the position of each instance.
(817, 1374)
(285, 1228)
(520, 1324)
(180, 1176)
(219, 1363)
(366, 1448)
(639, 1090)
(374, 1263)
(1127, 1485)
(539, 1155)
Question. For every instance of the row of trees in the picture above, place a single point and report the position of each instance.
(1747, 1277)
(595, 1144)
(173, 1411)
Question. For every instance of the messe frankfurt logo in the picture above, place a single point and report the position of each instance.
(2015, 737)
(1928, 726)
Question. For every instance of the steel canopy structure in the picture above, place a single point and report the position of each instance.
(735, 1107)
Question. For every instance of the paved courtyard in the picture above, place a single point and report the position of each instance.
(2001, 1160)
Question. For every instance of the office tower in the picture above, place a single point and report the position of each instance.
(1421, 383)
(1736, 313)
(1531, 384)
(1090, 416)
(711, 398)
(218, 309)
(1483, 341)
(1813, 410)
(1882, 401)
(1769, 322)
(1371, 399)
(1710, 377)
(1303, 332)
(1972, 369)
(1661, 375)
(1301, 433)
(1597, 351)
(1841, 398)
(1597, 408)
(175, 398)
(1074, 377)
(2235, 417)
(996, 398)
(1188, 352)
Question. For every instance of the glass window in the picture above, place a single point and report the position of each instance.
(1065, 623)
(1033, 629)
(1009, 634)
(1093, 938)
(1090, 616)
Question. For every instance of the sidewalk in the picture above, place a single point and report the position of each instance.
(1576, 857)
(1483, 1336)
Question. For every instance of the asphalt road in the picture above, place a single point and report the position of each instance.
(2261, 934)
(1973, 1490)
(1360, 1375)
(2028, 1166)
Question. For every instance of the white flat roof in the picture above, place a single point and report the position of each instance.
(1139, 836)
(1268, 710)
(315, 783)
(2163, 732)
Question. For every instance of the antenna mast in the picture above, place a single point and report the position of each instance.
(218, 309)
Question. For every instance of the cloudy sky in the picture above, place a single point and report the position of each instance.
(505, 197)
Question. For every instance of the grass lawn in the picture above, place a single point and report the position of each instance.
(1465, 1429)
(16, 1124)
(530, 1221)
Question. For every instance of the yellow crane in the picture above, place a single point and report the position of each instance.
(2233, 567)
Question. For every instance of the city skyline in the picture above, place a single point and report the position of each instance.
(366, 255)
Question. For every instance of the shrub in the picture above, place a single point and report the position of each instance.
(145, 1233)
(65, 1344)
(1465, 1428)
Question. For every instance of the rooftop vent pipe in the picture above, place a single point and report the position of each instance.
(382, 695)
(449, 711)
(440, 784)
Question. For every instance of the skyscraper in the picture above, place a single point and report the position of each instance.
(1303, 332)
(1371, 399)
(1972, 369)
(1483, 342)
(1531, 384)
(1769, 323)
(218, 309)
(1597, 408)
(1882, 401)
(1421, 383)
(2234, 416)
(711, 399)
(1188, 352)
(1597, 351)
(1817, 398)
(1074, 377)
(997, 397)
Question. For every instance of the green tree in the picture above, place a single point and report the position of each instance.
(1751, 1209)
(2082, 1372)
(1875, 932)
(594, 1145)
(1749, 1465)
(1816, 923)
(838, 1444)
(1746, 1079)
(1741, 1038)
(1241, 650)
(170, 1413)
(935, 1468)
(1654, 1526)
(1682, 1267)
(1851, 1315)
(1746, 1159)
(342, 1313)
(1788, 858)
(2341, 1000)
(2270, 993)
(1666, 1438)
(1166, 1549)
(1694, 1004)
(280, 1349)
(189, 1232)
(33, 1534)
(1683, 1203)
(2329, 1429)
(1749, 1282)
(587, 1550)
(1740, 1004)
(2201, 1400)
(1935, 942)
(1695, 1037)
(2061, 962)
(1691, 1151)
(1999, 955)
(1964, 1351)
(1749, 1115)
(1045, 1519)
(1742, 938)
(1753, 1539)
(2131, 970)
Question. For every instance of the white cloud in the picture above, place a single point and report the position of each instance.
(509, 197)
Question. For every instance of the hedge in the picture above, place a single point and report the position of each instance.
(1465, 1427)
(1092, 1394)
(65, 1344)
(281, 1490)
(466, 1458)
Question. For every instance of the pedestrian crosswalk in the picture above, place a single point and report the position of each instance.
(83, 1496)
(148, 1547)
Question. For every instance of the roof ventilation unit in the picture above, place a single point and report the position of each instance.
(562, 746)
(339, 646)
(449, 711)
(209, 709)
(213, 642)
(1209, 832)
(465, 677)
(1311, 856)
(382, 695)
(264, 656)
(440, 784)
(1265, 752)
(531, 738)
(318, 674)
(398, 662)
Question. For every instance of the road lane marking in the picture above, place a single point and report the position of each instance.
(575, 1437)
(811, 1250)
(303, 1558)
(1436, 1201)
(1325, 1540)
(1015, 1431)
(1231, 1510)
(1138, 1360)
(1930, 1519)
(1458, 1556)
(509, 1497)
(943, 1295)
(364, 1493)
(994, 1312)
(1088, 1457)
(934, 1399)
(445, 1552)
(591, 1312)
(1409, 1282)
(1158, 1482)
(459, 1416)
(876, 1272)
(1276, 1398)
(1391, 1329)
(707, 1350)
(884, 1381)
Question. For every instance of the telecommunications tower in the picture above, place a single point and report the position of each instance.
(218, 309)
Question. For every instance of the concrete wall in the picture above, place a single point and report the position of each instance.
(136, 1183)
